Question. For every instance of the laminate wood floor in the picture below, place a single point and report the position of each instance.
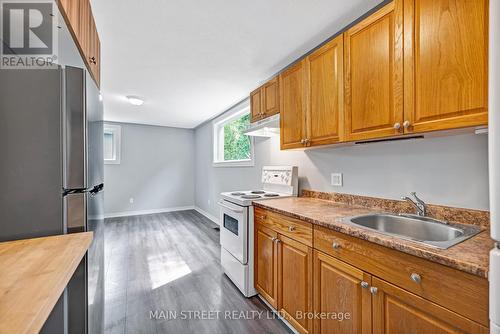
(169, 263)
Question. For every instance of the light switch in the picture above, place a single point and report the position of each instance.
(336, 179)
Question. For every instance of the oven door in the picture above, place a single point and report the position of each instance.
(234, 230)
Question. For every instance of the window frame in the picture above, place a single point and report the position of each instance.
(218, 124)
(116, 131)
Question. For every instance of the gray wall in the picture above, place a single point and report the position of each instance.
(157, 168)
(447, 170)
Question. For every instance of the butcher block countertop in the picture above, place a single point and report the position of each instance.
(33, 275)
(470, 256)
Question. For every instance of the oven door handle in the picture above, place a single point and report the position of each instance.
(229, 208)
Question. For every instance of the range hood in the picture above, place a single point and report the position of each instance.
(267, 127)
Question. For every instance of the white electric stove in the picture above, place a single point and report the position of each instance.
(237, 224)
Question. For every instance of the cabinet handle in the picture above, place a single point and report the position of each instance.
(364, 285)
(306, 141)
(406, 124)
(274, 239)
(416, 278)
(92, 60)
(397, 126)
(291, 228)
(373, 290)
(336, 245)
(277, 241)
(302, 141)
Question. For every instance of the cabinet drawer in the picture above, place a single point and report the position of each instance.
(458, 291)
(290, 227)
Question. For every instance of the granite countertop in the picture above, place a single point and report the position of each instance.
(33, 275)
(471, 256)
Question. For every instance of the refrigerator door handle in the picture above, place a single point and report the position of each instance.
(96, 189)
(73, 191)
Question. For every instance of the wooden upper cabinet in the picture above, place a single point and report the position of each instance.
(396, 311)
(295, 285)
(293, 104)
(71, 8)
(256, 105)
(94, 51)
(373, 51)
(270, 97)
(266, 264)
(264, 101)
(338, 288)
(445, 64)
(80, 20)
(325, 112)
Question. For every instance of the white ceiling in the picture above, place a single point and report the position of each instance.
(192, 59)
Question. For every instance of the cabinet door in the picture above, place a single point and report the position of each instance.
(72, 10)
(398, 311)
(325, 115)
(446, 59)
(94, 51)
(256, 105)
(293, 104)
(266, 264)
(84, 29)
(270, 97)
(373, 61)
(338, 289)
(295, 265)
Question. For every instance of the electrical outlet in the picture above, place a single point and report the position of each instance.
(336, 179)
(131, 200)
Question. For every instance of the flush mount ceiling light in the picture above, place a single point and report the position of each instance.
(135, 100)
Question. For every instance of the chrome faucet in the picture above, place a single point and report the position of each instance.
(419, 205)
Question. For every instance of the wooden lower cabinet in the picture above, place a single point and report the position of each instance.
(398, 311)
(266, 264)
(342, 299)
(295, 271)
(336, 284)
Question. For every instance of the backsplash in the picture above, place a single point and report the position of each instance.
(446, 213)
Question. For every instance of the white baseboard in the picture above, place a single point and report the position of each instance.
(147, 212)
(208, 215)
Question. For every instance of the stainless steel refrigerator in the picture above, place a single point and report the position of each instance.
(51, 177)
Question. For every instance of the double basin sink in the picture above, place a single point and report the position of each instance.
(425, 230)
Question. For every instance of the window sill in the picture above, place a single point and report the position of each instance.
(235, 163)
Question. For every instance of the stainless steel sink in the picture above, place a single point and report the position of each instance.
(421, 229)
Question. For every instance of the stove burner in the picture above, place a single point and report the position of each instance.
(237, 193)
(250, 196)
(271, 195)
(258, 192)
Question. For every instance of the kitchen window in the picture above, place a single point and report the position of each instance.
(112, 144)
(232, 148)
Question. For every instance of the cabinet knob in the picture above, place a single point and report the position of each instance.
(406, 124)
(302, 141)
(306, 141)
(397, 126)
(263, 217)
(364, 285)
(277, 240)
(336, 245)
(291, 228)
(416, 278)
(274, 239)
(373, 290)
